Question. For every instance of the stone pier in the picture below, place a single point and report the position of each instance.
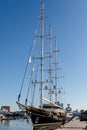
(74, 124)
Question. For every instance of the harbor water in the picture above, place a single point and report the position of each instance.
(23, 124)
(20, 124)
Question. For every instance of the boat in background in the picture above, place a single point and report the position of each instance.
(43, 77)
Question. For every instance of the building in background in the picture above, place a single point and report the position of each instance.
(5, 108)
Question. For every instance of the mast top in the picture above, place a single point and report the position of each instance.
(43, 1)
(42, 4)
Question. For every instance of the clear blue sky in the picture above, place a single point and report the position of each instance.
(18, 20)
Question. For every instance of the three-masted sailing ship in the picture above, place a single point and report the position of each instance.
(43, 70)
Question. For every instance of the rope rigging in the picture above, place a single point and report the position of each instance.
(33, 42)
(29, 85)
(33, 70)
(34, 87)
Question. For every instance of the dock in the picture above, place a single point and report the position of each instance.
(74, 124)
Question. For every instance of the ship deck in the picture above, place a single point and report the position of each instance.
(74, 124)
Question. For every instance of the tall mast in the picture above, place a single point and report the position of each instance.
(56, 74)
(42, 50)
(50, 63)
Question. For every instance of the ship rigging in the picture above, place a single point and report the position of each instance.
(43, 68)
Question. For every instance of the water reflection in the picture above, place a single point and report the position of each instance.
(20, 124)
(23, 124)
(5, 123)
